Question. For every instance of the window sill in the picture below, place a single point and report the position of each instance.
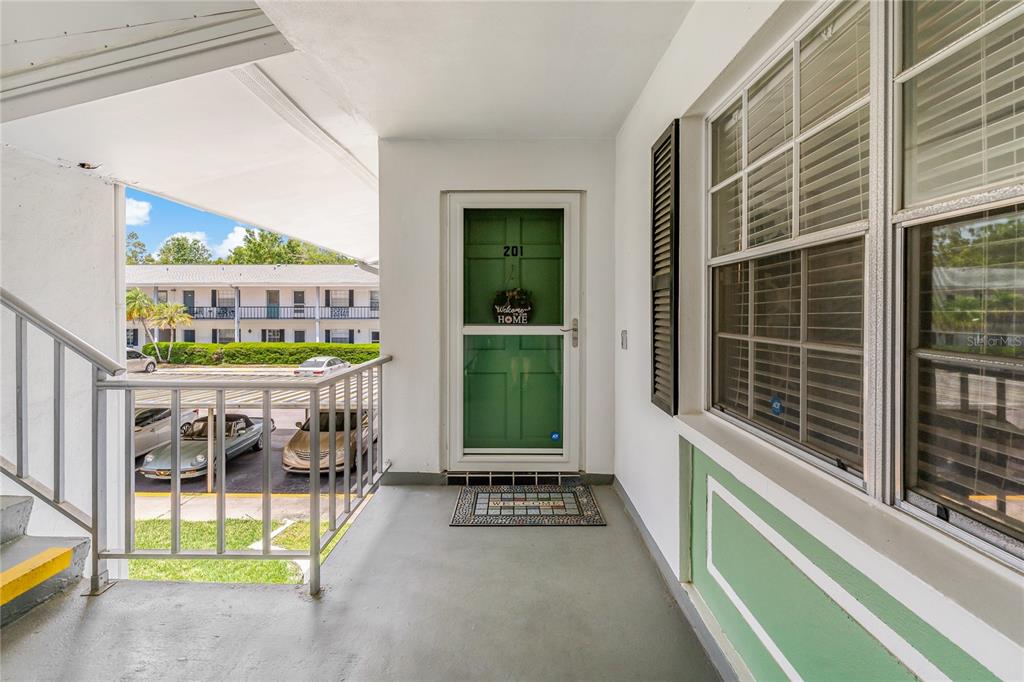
(883, 542)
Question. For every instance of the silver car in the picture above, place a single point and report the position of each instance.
(139, 362)
(153, 427)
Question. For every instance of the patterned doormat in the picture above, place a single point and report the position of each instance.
(527, 505)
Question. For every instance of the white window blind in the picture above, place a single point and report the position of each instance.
(834, 174)
(770, 104)
(834, 61)
(962, 119)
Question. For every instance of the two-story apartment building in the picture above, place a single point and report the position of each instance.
(292, 303)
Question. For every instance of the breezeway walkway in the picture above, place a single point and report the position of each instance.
(405, 597)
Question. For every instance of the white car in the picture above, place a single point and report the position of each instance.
(140, 362)
(321, 366)
(153, 427)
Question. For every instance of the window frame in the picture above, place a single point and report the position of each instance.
(868, 230)
(886, 275)
(900, 219)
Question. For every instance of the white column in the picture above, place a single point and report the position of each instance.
(316, 316)
(238, 319)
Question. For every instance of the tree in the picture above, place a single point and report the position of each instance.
(136, 252)
(182, 250)
(267, 248)
(139, 308)
(170, 316)
(314, 255)
(260, 248)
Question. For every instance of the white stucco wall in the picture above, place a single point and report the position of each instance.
(413, 174)
(61, 250)
(646, 439)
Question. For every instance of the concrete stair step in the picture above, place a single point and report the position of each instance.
(15, 511)
(33, 569)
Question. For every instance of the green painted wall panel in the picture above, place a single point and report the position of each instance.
(818, 638)
(809, 628)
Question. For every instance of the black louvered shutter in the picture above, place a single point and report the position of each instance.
(664, 268)
(263, 335)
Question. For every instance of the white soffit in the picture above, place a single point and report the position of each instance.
(462, 70)
(58, 53)
(265, 143)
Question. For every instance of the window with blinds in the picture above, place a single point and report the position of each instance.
(788, 322)
(664, 268)
(965, 434)
(789, 347)
(962, 95)
(962, 114)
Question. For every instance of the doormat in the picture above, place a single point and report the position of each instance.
(527, 505)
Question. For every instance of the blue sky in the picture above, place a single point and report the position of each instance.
(156, 219)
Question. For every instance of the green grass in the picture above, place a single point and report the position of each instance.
(238, 534)
(296, 536)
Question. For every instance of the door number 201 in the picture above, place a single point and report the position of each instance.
(513, 250)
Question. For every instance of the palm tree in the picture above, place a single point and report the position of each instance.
(139, 308)
(170, 316)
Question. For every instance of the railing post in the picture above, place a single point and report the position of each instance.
(129, 471)
(359, 434)
(21, 395)
(332, 449)
(380, 418)
(346, 444)
(371, 429)
(267, 424)
(314, 491)
(222, 470)
(59, 492)
(176, 470)
(99, 580)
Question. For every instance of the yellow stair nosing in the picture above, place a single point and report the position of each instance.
(22, 577)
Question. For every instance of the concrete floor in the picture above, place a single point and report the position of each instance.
(405, 597)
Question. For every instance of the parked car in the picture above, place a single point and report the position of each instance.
(320, 366)
(242, 434)
(295, 458)
(140, 362)
(153, 427)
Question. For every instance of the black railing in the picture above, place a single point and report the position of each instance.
(211, 312)
(285, 312)
(362, 312)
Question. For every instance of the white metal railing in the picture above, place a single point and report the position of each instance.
(102, 366)
(360, 389)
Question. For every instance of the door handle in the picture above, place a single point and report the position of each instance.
(575, 329)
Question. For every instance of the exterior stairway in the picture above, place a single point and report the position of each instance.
(33, 569)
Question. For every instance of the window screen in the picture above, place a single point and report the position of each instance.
(788, 340)
(965, 438)
(789, 347)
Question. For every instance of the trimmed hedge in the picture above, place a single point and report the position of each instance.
(262, 353)
(185, 353)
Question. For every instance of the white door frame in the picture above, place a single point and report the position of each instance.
(453, 457)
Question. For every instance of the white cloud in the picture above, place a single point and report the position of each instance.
(136, 212)
(233, 239)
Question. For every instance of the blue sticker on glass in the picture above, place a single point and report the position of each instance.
(555, 435)
(776, 403)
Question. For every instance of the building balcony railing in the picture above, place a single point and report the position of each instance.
(284, 312)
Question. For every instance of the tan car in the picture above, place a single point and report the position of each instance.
(296, 453)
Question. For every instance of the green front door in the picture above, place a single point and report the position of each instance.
(513, 362)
